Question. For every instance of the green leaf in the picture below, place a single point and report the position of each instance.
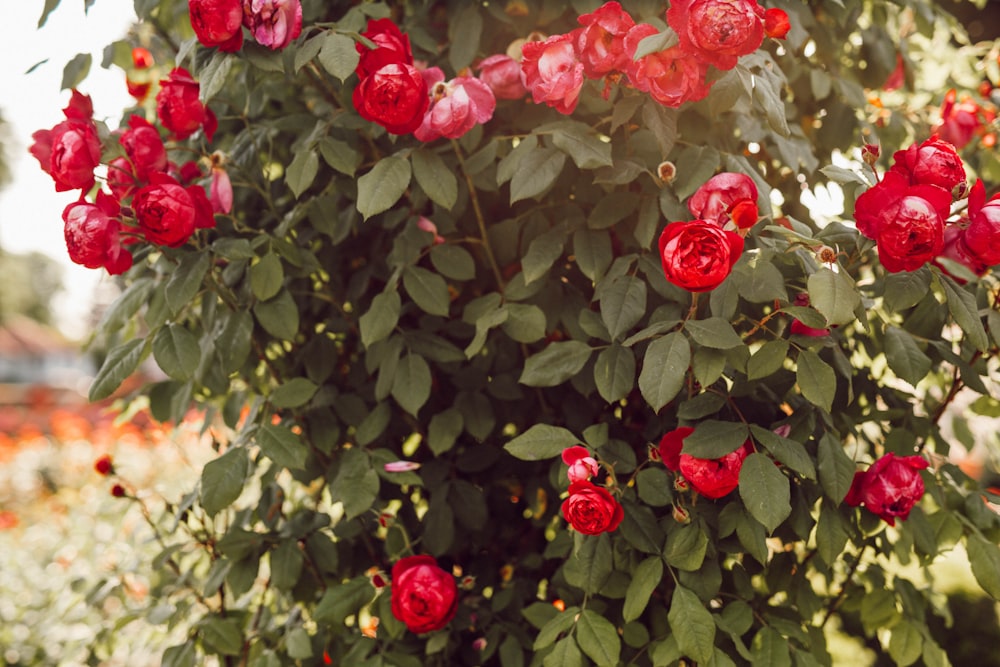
(343, 600)
(758, 280)
(279, 444)
(698, 164)
(214, 76)
(663, 122)
(816, 379)
(833, 294)
(126, 305)
(770, 648)
(614, 372)
(381, 318)
(525, 322)
(453, 261)
(435, 178)
(598, 638)
(338, 55)
(293, 394)
(222, 480)
(664, 369)
(556, 625)
(278, 316)
(655, 487)
(984, 557)
(540, 442)
(565, 653)
(556, 364)
(182, 655)
(788, 452)
(592, 250)
(374, 424)
(536, 172)
(580, 142)
(120, 363)
(464, 31)
(836, 469)
(589, 568)
(186, 280)
(640, 528)
(412, 385)
(623, 304)
(767, 360)
(76, 70)
(686, 547)
(962, 306)
(176, 351)
(645, 579)
(267, 276)
(286, 564)
(443, 430)
(221, 635)
(661, 41)
(713, 439)
(906, 643)
(904, 357)
(765, 491)
(356, 484)
(906, 289)
(339, 155)
(713, 332)
(542, 252)
(692, 625)
(236, 330)
(768, 95)
(831, 533)
(381, 188)
(302, 171)
(427, 289)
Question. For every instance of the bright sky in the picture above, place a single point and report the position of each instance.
(30, 208)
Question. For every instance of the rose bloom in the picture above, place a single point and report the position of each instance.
(71, 150)
(138, 87)
(503, 75)
(456, 106)
(933, 162)
(890, 487)
(92, 233)
(724, 197)
(392, 46)
(582, 466)
(671, 77)
(424, 596)
(218, 23)
(178, 106)
(591, 509)
(394, 96)
(165, 211)
(959, 122)
(717, 31)
(982, 237)
(714, 478)
(144, 147)
(553, 72)
(698, 255)
(776, 23)
(601, 41)
(670, 447)
(956, 248)
(273, 23)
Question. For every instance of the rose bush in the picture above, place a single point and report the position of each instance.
(532, 306)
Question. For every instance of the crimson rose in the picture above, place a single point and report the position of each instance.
(670, 447)
(165, 211)
(391, 46)
(724, 197)
(717, 32)
(424, 596)
(71, 150)
(982, 237)
(714, 478)
(698, 255)
(218, 23)
(92, 233)
(144, 148)
(394, 96)
(934, 162)
(591, 509)
(178, 106)
(890, 487)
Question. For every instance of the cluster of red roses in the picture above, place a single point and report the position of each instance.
(907, 212)
(963, 119)
(590, 509)
(163, 200)
(219, 23)
(393, 92)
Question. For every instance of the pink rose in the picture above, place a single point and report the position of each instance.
(424, 596)
(553, 72)
(221, 191)
(671, 77)
(390, 43)
(503, 75)
(933, 162)
(890, 487)
(165, 211)
(92, 233)
(178, 106)
(144, 148)
(456, 106)
(394, 96)
(671, 445)
(218, 23)
(714, 478)
(724, 197)
(591, 509)
(717, 32)
(273, 23)
(698, 255)
(982, 237)
(582, 466)
(601, 41)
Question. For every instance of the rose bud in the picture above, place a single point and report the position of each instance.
(870, 154)
(104, 465)
(424, 596)
(553, 72)
(982, 236)
(273, 23)
(776, 23)
(144, 148)
(118, 491)
(582, 466)
(138, 86)
(666, 171)
(681, 515)
(591, 509)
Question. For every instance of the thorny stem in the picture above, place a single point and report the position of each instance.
(480, 220)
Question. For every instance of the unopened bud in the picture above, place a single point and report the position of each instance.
(118, 491)
(870, 153)
(960, 191)
(667, 171)
(467, 583)
(681, 515)
(680, 484)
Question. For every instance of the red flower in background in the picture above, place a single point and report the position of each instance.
(144, 148)
(591, 509)
(717, 32)
(179, 109)
(715, 478)
(218, 23)
(982, 236)
(503, 75)
(553, 72)
(138, 86)
(601, 42)
(424, 596)
(960, 121)
(724, 197)
(776, 23)
(698, 255)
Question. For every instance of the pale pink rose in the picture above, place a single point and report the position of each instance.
(456, 106)
(503, 75)
(553, 72)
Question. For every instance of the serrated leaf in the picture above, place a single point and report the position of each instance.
(536, 172)
(962, 306)
(598, 638)
(906, 289)
(222, 480)
(213, 77)
(770, 648)
(286, 564)
(591, 564)
(293, 394)
(565, 653)
(540, 442)
(427, 289)
(614, 372)
(645, 579)
(126, 306)
(686, 547)
(343, 600)
(176, 351)
(443, 430)
(356, 484)
(713, 332)
(623, 304)
(692, 625)
(435, 178)
(592, 251)
(543, 250)
(279, 444)
(906, 644)
(525, 322)
(833, 294)
(337, 55)
(236, 330)
(556, 364)
(412, 385)
(556, 625)
(464, 32)
(904, 357)
(765, 491)
(383, 185)
(835, 467)
(221, 635)
(186, 280)
(381, 318)
(120, 363)
(713, 439)
(661, 41)
(767, 360)
(302, 171)
(664, 369)
(816, 379)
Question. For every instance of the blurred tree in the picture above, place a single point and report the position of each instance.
(30, 281)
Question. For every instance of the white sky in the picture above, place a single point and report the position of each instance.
(30, 208)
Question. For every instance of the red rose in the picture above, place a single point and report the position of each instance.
(138, 87)
(553, 72)
(218, 23)
(273, 23)
(714, 478)
(92, 234)
(165, 211)
(670, 447)
(591, 509)
(71, 150)
(104, 465)
(956, 248)
(717, 31)
(424, 596)
(601, 42)
(776, 23)
(391, 45)
(982, 237)
(144, 147)
(178, 106)
(934, 162)
(698, 255)
(671, 77)
(503, 75)
(456, 106)
(724, 197)
(394, 96)
(959, 122)
(891, 486)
